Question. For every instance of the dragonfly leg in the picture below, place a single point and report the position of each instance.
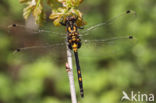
(70, 46)
(61, 21)
(81, 27)
(79, 44)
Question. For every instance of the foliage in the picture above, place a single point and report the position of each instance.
(36, 8)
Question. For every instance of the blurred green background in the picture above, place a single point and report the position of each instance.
(107, 70)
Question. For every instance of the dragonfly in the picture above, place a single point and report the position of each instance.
(72, 38)
(74, 43)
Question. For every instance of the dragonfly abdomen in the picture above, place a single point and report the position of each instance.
(79, 74)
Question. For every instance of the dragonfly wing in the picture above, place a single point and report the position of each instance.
(108, 41)
(128, 13)
(46, 30)
(28, 42)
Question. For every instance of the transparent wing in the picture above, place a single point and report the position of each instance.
(110, 21)
(50, 30)
(33, 46)
(84, 42)
(46, 30)
(57, 50)
(109, 39)
(102, 43)
(26, 40)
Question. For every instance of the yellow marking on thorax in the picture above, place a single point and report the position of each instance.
(73, 34)
(69, 29)
(74, 29)
(77, 40)
(70, 41)
(76, 33)
(73, 38)
(70, 34)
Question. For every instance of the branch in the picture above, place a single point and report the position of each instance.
(69, 68)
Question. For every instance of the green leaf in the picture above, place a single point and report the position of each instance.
(70, 3)
(38, 13)
(63, 12)
(27, 11)
(53, 3)
(36, 9)
(57, 14)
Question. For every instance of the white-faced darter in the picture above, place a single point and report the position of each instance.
(33, 39)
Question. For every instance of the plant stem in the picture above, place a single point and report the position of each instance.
(70, 76)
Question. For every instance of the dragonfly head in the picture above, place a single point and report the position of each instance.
(71, 20)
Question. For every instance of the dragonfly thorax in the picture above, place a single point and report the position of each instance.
(74, 41)
(73, 37)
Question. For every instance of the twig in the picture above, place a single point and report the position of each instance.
(69, 68)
